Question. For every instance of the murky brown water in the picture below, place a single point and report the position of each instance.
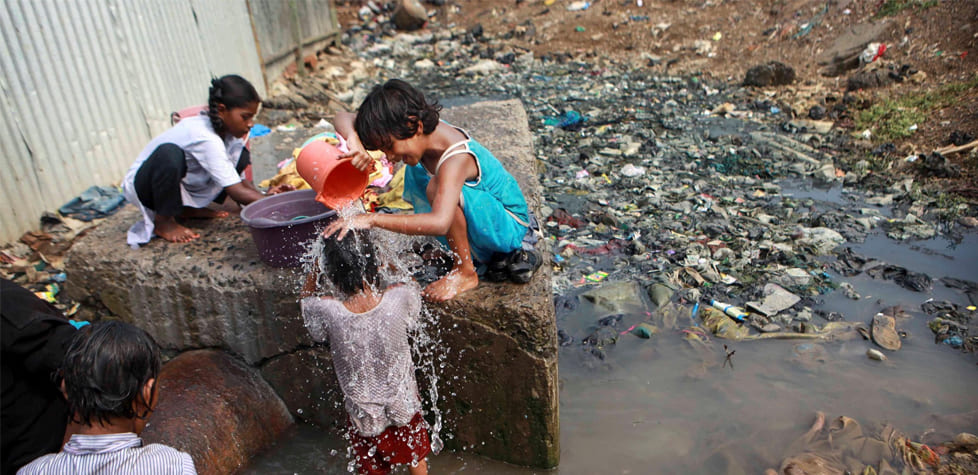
(659, 406)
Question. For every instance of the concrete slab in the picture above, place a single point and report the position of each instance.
(216, 293)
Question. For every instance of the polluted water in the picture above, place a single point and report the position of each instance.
(399, 263)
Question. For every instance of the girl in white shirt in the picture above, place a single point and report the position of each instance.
(198, 161)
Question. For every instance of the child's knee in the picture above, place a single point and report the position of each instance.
(168, 155)
(431, 191)
(166, 162)
(458, 218)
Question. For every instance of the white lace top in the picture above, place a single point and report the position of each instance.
(371, 356)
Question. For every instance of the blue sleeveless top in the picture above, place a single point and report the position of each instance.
(494, 206)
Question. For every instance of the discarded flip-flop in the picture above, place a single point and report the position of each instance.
(884, 332)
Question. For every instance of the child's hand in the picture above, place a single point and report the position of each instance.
(281, 188)
(360, 159)
(342, 226)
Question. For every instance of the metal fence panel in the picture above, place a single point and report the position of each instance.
(275, 26)
(86, 83)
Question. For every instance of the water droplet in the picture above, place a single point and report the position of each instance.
(436, 444)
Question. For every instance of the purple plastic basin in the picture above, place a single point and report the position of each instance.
(282, 225)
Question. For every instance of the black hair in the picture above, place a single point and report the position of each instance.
(105, 369)
(351, 262)
(232, 91)
(393, 110)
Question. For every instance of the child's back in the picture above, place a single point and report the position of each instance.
(368, 338)
(371, 355)
(112, 454)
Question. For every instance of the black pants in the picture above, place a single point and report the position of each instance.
(157, 181)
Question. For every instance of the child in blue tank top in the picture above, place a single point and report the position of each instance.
(459, 190)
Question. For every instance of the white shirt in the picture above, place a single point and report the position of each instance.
(211, 165)
(371, 356)
(110, 454)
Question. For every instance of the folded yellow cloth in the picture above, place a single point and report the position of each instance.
(287, 174)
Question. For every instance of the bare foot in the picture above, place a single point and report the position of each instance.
(168, 228)
(454, 283)
(420, 469)
(189, 212)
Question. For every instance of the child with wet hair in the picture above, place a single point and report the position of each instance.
(109, 379)
(367, 327)
(200, 160)
(459, 190)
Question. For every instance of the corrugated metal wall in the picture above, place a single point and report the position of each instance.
(276, 22)
(84, 84)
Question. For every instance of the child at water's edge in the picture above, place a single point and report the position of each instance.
(459, 190)
(110, 372)
(368, 340)
(197, 161)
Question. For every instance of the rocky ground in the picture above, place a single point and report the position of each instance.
(648, 137)
(719, 41)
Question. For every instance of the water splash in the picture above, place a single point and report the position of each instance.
(428, 351)
(399, 261)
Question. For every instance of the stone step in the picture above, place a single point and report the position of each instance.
(215, 292)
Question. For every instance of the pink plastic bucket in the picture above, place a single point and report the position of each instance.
(336, 181)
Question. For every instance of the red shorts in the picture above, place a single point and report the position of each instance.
(395, 446)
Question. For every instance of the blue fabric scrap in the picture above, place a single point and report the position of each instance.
(258, 130)
(95, 202)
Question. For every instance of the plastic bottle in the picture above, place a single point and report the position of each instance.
(578, 6)
(735, 313)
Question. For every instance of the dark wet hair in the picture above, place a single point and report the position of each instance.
(392, 111)
(232, 91)
(105, 369)
(351, 261)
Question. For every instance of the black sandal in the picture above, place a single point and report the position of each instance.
(497, 269)
(523, 264)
